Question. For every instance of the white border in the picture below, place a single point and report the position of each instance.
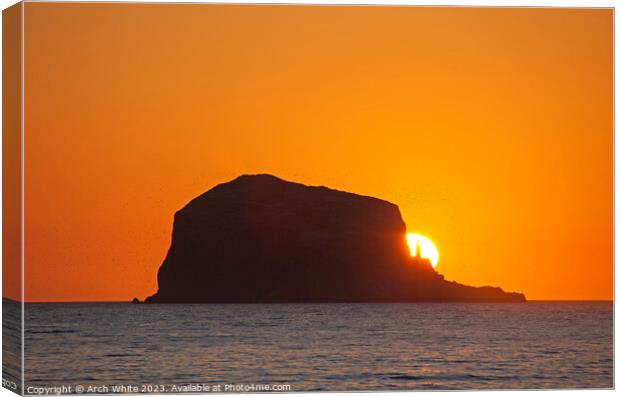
(433, 3)
(23, 196)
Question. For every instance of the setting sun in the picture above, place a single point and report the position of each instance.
(427, 248)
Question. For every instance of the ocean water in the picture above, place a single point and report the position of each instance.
(330, 347)
(11, 345)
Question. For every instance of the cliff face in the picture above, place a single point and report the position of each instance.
(261, 239)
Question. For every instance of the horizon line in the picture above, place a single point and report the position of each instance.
(302, 303)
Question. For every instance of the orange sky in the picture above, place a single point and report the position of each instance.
(490, 128)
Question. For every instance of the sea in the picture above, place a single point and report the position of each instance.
(317, 347)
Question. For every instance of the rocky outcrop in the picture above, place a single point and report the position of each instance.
(259, 238)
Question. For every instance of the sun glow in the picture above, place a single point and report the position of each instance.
(427, 248)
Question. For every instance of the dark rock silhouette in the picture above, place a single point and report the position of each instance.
(259, 238)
